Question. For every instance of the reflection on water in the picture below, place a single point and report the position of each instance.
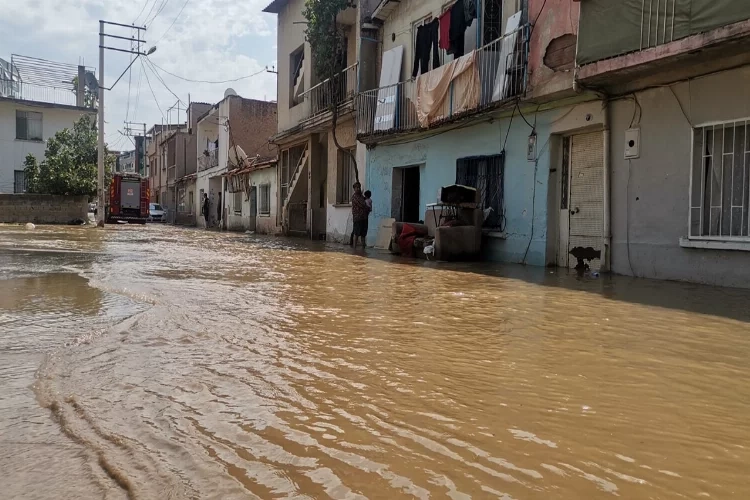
(163, 363)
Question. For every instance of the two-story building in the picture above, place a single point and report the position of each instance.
(236, 128)
(315, 174)
(487, 101)
(674, 80)
(37, 99)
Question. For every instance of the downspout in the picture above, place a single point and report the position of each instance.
(607, 232)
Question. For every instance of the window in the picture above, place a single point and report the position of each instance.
(28, 125)
(296, 76)
(345, 177)
(237, 202)
(720, 186)
(265, 199)
(19, 181)
(485, 174)
(181, 200)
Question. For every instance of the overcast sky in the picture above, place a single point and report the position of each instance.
(210, 40)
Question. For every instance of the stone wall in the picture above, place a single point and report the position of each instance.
(42, 208)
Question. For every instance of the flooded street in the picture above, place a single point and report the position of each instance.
(155, 363)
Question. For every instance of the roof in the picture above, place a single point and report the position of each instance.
(276, 6)
(257, 164)
(42, 104)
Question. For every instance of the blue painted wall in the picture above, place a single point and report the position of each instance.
(437, 157)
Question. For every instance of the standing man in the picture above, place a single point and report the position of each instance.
(360, 213)
(205, 208)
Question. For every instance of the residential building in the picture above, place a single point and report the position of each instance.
(230, 134)
(315, 175)
(35, 104)
(126, 162)
(677, 176)
(487, 109)
(156, 152)
(252, 202)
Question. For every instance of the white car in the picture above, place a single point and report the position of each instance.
(156, 213)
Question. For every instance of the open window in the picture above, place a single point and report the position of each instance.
(296, 76)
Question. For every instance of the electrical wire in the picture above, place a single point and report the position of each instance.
(533, 127)
(158, 11)
(163, 83)
(627, 219)
(152, 92)
(173, 21)
(207, 81)
(141, 12)
(149, 10)
(537, 18)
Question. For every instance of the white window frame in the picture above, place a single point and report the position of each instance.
(746, 163)
(266, 211)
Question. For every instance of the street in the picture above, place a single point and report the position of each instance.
(158, 362)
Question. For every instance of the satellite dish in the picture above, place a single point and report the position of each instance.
(228, 92)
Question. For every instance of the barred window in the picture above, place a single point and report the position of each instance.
(720, 181)
(265, 199)
(237, 202)
(485, 174)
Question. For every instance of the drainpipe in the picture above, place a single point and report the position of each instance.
(607, 232)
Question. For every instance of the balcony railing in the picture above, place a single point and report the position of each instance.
(15, 89)
(208, 161)
(339, 90)
(502, 66)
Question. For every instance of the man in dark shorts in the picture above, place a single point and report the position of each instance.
(360, 214)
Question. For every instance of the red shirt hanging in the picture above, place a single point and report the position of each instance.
(445, 27)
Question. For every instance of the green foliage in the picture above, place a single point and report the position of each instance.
(90, 97)
(70, 163)
(325, 36)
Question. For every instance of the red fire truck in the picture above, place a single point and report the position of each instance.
(129, 197)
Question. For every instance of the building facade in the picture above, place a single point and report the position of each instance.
(230, 134)
(34, 106)
(315, 173)
(677, 108)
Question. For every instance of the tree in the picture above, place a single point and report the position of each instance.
(90, 97)
(70, 163)
(327, 42)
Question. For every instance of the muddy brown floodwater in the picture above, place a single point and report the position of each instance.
(162, 363)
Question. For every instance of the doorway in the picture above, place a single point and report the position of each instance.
(405, 194)
(582, 200)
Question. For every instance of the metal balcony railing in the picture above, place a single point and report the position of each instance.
(657, 22)
(337, 90)
(503, 69)
(15, 89)
(208, 161)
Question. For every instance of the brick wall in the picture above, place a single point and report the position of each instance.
(253, 122)
(42, 208)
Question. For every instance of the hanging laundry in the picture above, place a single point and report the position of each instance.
(470, 11)
(457, 29)
(427, 41)
(445, 29)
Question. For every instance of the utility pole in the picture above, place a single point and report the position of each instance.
(101, 189)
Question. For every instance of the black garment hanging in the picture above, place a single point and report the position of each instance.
(427, 41)
(458, 29)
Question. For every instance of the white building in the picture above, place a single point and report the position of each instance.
(34, 105)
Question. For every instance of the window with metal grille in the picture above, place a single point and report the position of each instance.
(237, 202)
(28, 125)
(264, 207)
(19, 181)
(720, 181)
(345, 177)
(485, 174)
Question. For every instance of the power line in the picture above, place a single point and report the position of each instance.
(152, 91)
(141, 12)
(207, 81)
(150, 10)
(165, 85)
(174, 21)
(158, 11)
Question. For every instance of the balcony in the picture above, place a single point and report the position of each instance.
(496, 75)
(64, 96)
(340, 89)
(632, 44)
(210, 160)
